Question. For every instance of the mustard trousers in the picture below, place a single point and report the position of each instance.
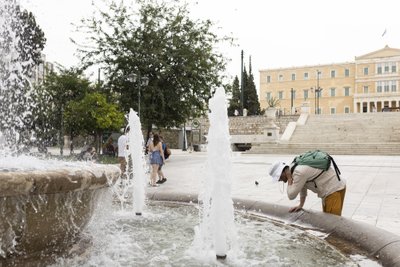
(334, 202)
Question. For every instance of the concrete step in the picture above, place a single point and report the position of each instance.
(337, 149)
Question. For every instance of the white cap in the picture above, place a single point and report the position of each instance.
(276, 170)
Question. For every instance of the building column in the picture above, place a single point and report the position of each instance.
(368, 103)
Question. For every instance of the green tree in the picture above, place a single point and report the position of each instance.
(92, 115)
(59, 90)
(31, 38)
(234, 102)
(251, 102)
(44, 120)
(161, 42)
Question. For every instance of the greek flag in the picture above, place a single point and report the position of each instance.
(384, 33)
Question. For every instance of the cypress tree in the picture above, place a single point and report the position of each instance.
(234, 102)
(251, 102)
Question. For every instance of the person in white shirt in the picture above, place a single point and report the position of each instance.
(122, 150)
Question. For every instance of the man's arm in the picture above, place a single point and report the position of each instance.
(300, 206)
(296, 182)
(296, 185)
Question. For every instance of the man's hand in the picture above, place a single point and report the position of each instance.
(296, 209)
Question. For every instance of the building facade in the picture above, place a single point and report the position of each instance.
(40, 71)
(369, 84)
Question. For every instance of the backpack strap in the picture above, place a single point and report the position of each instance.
(335, 167)
(313, 180)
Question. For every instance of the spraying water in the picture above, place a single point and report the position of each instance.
(217, 230)
(15, 88)
(137, 162)
(132, 183)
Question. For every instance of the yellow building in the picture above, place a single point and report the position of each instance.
(369, 84)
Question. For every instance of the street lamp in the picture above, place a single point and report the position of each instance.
(318, 91)
(291, 100)
(317, 94)
(144, 81)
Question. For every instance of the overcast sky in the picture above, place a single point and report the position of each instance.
(275, 33)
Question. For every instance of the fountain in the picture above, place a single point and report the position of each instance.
(44, 205)
(49, 208)
(217, 227)
(137, 162)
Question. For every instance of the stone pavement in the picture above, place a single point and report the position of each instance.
(372, 195)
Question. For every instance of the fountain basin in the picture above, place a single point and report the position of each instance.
(345, 233)
(44, 211)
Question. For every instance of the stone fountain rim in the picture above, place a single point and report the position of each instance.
(63, 180)
(375, 242)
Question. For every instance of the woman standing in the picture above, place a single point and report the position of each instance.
(156, 158)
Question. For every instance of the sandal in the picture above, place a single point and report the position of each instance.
(163, 180)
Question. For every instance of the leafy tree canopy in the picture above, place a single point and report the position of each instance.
(93, 115)
(31, 37)
(69, 84)
(163, 43)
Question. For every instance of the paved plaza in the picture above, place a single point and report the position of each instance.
(373, 183)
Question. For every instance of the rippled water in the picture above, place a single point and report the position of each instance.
(163, 236)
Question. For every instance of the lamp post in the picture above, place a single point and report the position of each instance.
(241, 84)
(318, 91)
(184, 148)
(142, 81)
(317, 94)
(291, 100)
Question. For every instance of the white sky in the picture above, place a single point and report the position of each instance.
(276, 33)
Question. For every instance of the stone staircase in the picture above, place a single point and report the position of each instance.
(342, 134)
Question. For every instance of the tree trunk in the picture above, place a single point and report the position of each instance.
(71, 147)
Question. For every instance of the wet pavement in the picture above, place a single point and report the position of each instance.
(372, 195)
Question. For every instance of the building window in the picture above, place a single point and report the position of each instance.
(365, 89)
(333, 92)
(268, 79)
(366, 71)
(386, 86)
(346, 72)
(319, 74)
(386, 67)
(268, 95)
(305, 75)
(394, 69)
(293, 93)
(379, 70)
(280, 95)
(379, 87)
(280, 77)
(394, 86)
(333, 110)
(305, 94)
(347, 91)
(346, 110)
(293, 76)
(333, 73)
